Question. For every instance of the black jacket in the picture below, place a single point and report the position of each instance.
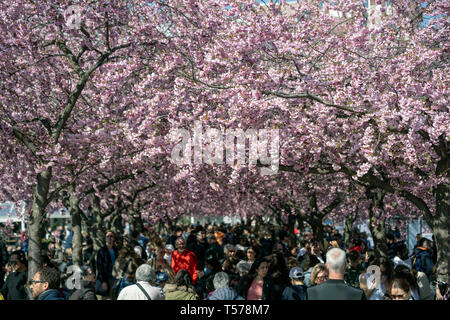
(14, 287)
(334, 290)
(104, 264)
(246, 282)
(295, 292)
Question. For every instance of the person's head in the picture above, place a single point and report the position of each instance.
(401, 250)
(87, 274)
(336, 262)
(161, 278)
(183, 278)
(168, 249)
(354, 258)
(294, 251)
(110, 238)
(402, 271)
(221, 280)
(386, 269)
(251, 254)
(201, 235)
(296, 275)
(180, 244)
(229, 250)
(145, 273)
(390, 238)
(260, 268)
(243, 267)
(45, 279)
(319, 274)
(18, 261)
(424, 242)
(178, 231)
(316, 249)
(400, 289)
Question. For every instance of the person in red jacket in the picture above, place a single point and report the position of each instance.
(184, 259)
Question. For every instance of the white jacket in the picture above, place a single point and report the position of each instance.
(134, 293)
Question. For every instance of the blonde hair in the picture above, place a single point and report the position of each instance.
(318, 268)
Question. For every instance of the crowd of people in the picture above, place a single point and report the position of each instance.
(223, 262)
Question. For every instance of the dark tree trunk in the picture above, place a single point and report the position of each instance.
(36, 224)
(97, 230)
(377, 227)
(77, 239)
(440, 225)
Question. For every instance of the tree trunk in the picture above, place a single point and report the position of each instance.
(97, 230)
(36, 223)
(317, 228)
(377, 228)
(77, 239)
(440, 225)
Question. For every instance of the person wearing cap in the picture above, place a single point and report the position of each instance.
(142, 290)
(297, 289)
(161, 279)
(14, 286)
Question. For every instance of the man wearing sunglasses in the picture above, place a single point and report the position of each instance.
(14, 287)
(45, 284)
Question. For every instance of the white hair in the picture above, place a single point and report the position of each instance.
(221, 280)
(336, 260)
(145, 273)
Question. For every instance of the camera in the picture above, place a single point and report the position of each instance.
(443, 286)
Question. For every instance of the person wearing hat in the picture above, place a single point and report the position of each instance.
(14, 286)
(297, 289)
(161, 279)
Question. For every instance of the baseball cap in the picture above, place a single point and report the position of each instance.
(161, 276)
(296, 273)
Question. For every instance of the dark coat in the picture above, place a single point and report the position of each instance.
(334, 290)
(14, 286)
(87, 292)
(425, 263)
(104, 264)
(295, 292)
(246, 282)
(51, 294)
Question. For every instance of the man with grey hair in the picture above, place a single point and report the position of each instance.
(335, 288)
(223, 290)
(142, 290)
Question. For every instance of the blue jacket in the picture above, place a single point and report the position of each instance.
(421, 260)
(51, 294)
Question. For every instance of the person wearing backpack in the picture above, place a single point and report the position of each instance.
(421, 259)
